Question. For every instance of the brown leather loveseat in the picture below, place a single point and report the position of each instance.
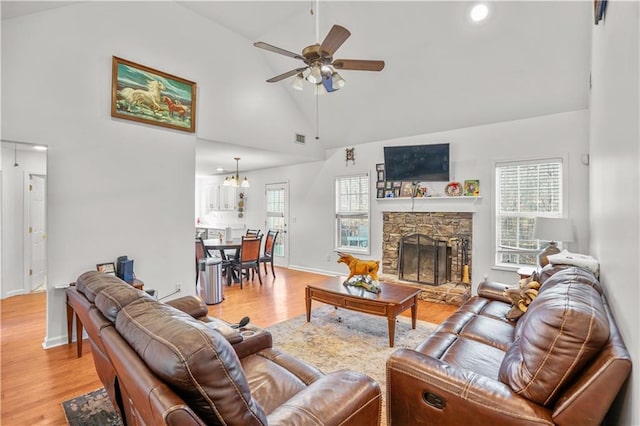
(174, 365)
(563, 362)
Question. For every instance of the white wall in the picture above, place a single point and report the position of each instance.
(614, 176)
(14, 181)
(118, 187)
(473, 152)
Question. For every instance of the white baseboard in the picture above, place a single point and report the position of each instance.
(52, 342)
(314, 270)
(14, 293)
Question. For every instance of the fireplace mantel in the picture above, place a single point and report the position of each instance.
(429, 204)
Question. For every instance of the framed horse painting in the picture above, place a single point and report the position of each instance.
(145, 95)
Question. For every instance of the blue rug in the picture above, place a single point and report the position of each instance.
(91, 409)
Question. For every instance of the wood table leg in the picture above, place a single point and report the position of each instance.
(307, 299)
(79, 336)
(414, 312)
(392, 330)
(69, 322)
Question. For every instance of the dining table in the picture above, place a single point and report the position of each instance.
(220, 244)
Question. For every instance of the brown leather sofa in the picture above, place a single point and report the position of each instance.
(169, 363)
(563, 362)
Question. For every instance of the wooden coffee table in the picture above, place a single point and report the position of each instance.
(390, 302)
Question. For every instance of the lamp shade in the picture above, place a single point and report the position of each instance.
(553, 229)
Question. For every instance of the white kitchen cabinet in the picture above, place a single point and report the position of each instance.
(226, 198)
(208, 197)
(213, 197)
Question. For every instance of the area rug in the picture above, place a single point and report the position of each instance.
(91, 409)
(339, 338)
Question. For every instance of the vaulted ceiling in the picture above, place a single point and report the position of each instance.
(529, 58)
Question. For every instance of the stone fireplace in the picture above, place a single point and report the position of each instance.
(429, 250)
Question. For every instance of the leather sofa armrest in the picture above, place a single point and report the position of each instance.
(254, 340)
(191, 305)
(493, 290)
(417, 384)
(341, 397)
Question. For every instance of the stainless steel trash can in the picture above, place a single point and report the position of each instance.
(210, 280)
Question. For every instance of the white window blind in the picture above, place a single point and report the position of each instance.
(352, 213)
(525, 190)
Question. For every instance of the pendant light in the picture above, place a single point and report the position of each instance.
(234, 181)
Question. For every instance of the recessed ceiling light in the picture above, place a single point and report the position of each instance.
(40, 148)
(479, 12)
(219, 169)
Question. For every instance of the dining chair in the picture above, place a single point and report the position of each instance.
(255, 233)
(201, 252)
(249, 259)
(267, 255)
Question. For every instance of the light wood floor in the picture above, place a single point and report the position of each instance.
(34, 381)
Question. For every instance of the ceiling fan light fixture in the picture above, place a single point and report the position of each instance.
(337, 80)
(315, 76)
(298, 82)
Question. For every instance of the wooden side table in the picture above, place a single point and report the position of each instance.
(71, 314)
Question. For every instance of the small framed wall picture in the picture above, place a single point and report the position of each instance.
(388, 185)
(380, 167)
(380, 193)
(471, 188)
(380, 184)
(407, 189)
(107, 268)
(380, 175)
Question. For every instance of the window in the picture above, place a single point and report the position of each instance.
(524, 190)
(352, 213)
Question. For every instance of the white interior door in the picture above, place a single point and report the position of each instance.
(276, 197)
(37, 231)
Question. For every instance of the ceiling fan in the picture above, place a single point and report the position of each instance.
(320, 67)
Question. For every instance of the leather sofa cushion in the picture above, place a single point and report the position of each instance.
(111, 299)
(91, 283)
(564, 328)
(192, 305)
(275, 377)
(196, 361)
(464, 353)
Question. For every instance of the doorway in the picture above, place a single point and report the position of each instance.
(277, 218)
(24, 253)
(35, 241)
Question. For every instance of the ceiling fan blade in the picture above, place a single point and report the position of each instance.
(358, 65)
(337, 35)
(285, 75)
(270, 48)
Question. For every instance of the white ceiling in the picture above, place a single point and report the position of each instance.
(529, 58)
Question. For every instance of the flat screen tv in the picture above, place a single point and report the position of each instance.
(421, 163)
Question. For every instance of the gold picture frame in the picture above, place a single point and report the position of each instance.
(146, 95)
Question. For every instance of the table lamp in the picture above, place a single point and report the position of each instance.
(551, 229)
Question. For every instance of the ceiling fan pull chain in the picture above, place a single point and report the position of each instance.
(317, 119)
